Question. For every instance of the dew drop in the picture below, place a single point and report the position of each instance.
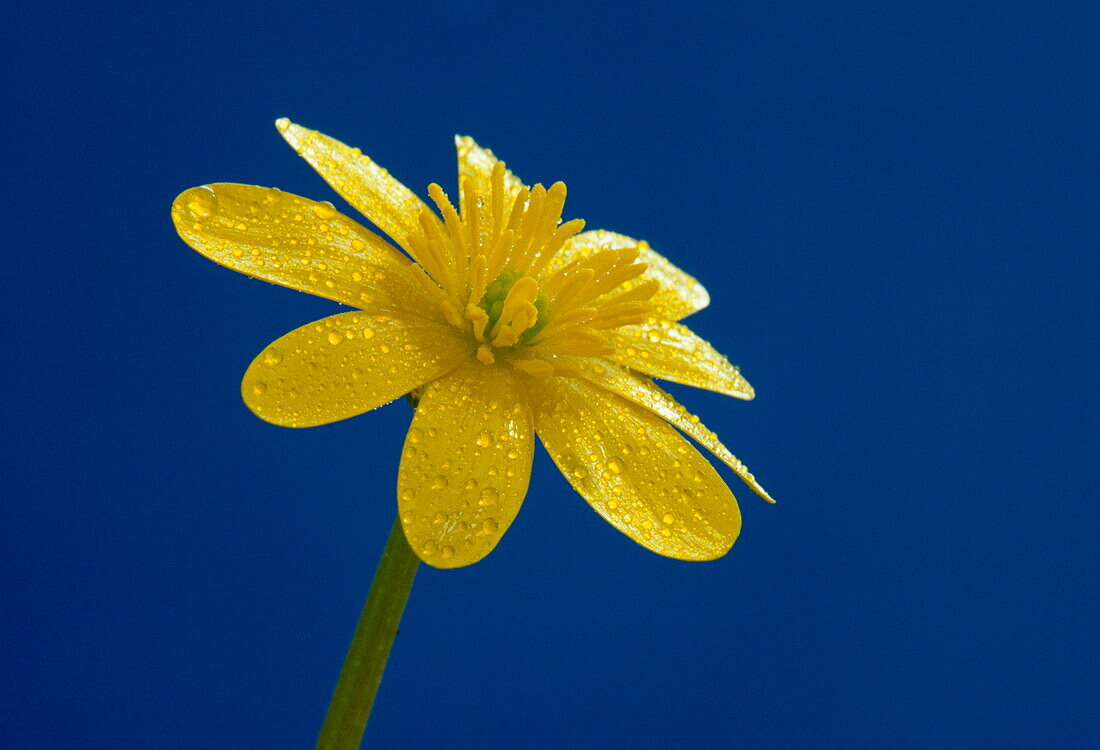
(416, 435)
(484, 439)
(615, 465)
(440, 482)
(489, 496)
(358, 245)
(491, 526)
(368, 333)
(429, 547)
(324, 210)
(203, 202)
(335, 337)
(668, 518)
(272, 356)
(447, 552)
(259, 387)
(282, 124)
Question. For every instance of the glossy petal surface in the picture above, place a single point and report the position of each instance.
(466, 464)
(636, 471)
(644, 392)
(679, 295)
(347, 364)
(670, 351)
(296, 242)
(371, 189)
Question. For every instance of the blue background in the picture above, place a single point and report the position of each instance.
(895, 210)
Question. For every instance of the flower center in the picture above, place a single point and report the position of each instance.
(498, 270)
(496, 294)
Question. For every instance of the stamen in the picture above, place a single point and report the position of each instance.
(451, 314)
(518, 314)
(479, 318)
(485, 355)
(497, 197)
(454, 229)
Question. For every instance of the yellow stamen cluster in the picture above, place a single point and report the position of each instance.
(491, 269)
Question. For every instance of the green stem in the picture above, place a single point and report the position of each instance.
(362, 672)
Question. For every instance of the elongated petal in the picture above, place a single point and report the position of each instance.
(293, 241)
(348, 364)
(466, 464)
(476, 164)
(670, 351)
(679, 295)
(644, 392)
(636, 471)
(371, 189)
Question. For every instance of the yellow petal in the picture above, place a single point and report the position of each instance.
(679, 295)
(636, 471)
(295, 242)
(670, 351)
(347, 364)
(371, 189)
(644, 392)
(476, 165)
(466, 464)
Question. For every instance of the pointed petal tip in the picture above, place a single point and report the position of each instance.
(282, 123)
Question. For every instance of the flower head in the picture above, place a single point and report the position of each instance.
(506, 322)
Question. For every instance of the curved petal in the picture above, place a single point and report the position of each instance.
(636, 471)
(670, 351)
(347, 364)
(645, 393)
(293, 241)
(466, 464)
(679, 294)
(476, 165)
(390, 205)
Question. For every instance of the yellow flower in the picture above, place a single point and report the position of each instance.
(506, 323)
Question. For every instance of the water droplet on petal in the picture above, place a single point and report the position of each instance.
(429, 547)
(439, 483)
(324, 210)
(335, 337)
(368, 333)
(484, 439)
(447, 552)
(416, 435)
(615, 465)
(259, 387)
(203, 202)
(282, 124)
(272, 356)
(489, 496)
